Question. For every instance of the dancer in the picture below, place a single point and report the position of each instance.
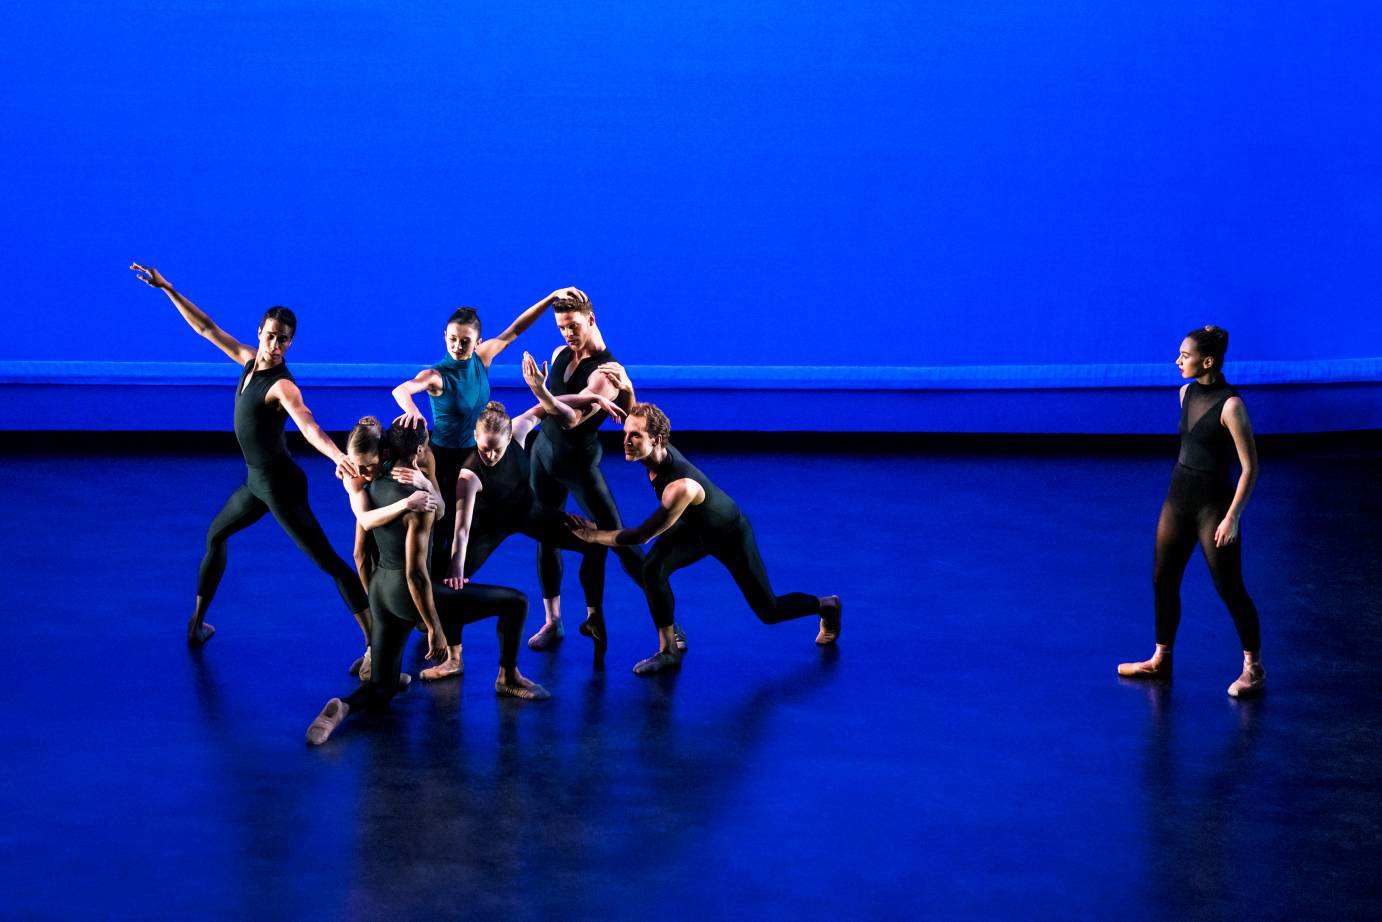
(696, 519)
(566, 460)
(264, 400)
(1203, 506)
(401, 593)
(458, 388)
(495, 500)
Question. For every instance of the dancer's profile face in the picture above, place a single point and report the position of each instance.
(637, 443)
(490, 446)
(575, 327)
(1190, 362)
(367, 464)
(275, 337)
(461, 340)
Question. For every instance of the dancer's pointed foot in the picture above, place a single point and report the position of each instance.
(679, 637)
(662, 661)
(1251, 683)
(519, 686)
(453, 665)
(594, 628)
(1156, 668)
(198, 632)
(327, 721)
(831, 611)
(547, 636)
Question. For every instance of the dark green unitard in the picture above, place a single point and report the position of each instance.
(394, 613)
(716, 528)
(273, 483)
(567, 462)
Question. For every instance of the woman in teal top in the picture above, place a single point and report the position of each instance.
(458, 387)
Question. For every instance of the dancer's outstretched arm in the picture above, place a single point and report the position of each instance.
(288, 396)
(675, 499)
(196, 318)
(489, 348)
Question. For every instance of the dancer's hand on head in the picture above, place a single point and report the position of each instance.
(410, 475)
(570, 294)
(616, 374)
(346, 468)
(1227, 532)
(610, 407)
(409, 420)
(455, 577)
(436, 644)
(149, 276)
(535, 375)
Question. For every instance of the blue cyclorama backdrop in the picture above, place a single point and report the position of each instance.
(745, 184)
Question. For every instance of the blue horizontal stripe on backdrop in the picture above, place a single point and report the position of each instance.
(1284, 397)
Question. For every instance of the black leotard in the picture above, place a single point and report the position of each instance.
(395, 613)
(715, 528)
(507, 506)
(567, 462)
(273, 483)
(583, 438)
(1200, 494)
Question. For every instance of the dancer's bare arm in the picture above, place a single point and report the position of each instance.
(428, 380)
(196, 318)
(679, 495)
(420, 583)
(468, 486)
(1235, 419)
(489, 348)
(287, 395)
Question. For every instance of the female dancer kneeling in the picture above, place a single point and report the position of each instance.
(401, 593)
(1203, 506)
(697, 519)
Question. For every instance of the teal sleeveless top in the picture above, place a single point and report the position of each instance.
(465, 391)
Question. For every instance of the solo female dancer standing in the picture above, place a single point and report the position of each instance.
(1202, 506)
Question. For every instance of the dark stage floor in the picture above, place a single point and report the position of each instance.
(966, 752)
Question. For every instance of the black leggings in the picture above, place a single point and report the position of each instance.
(280, 488)
(547, 529)
(737, 549)
(555, 476)
(449, 463)
(1194, 507)
(395, 615)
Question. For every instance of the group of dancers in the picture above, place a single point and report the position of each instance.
(430, 507)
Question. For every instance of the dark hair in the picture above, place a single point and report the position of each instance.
(571, 306)
(466, 317)
(659, 426)
(495, 419)
(364, 438)
(404, 441)
(283, 316)
(1212, 342)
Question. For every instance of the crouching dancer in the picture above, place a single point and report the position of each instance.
(401, 593)
(697, 519)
